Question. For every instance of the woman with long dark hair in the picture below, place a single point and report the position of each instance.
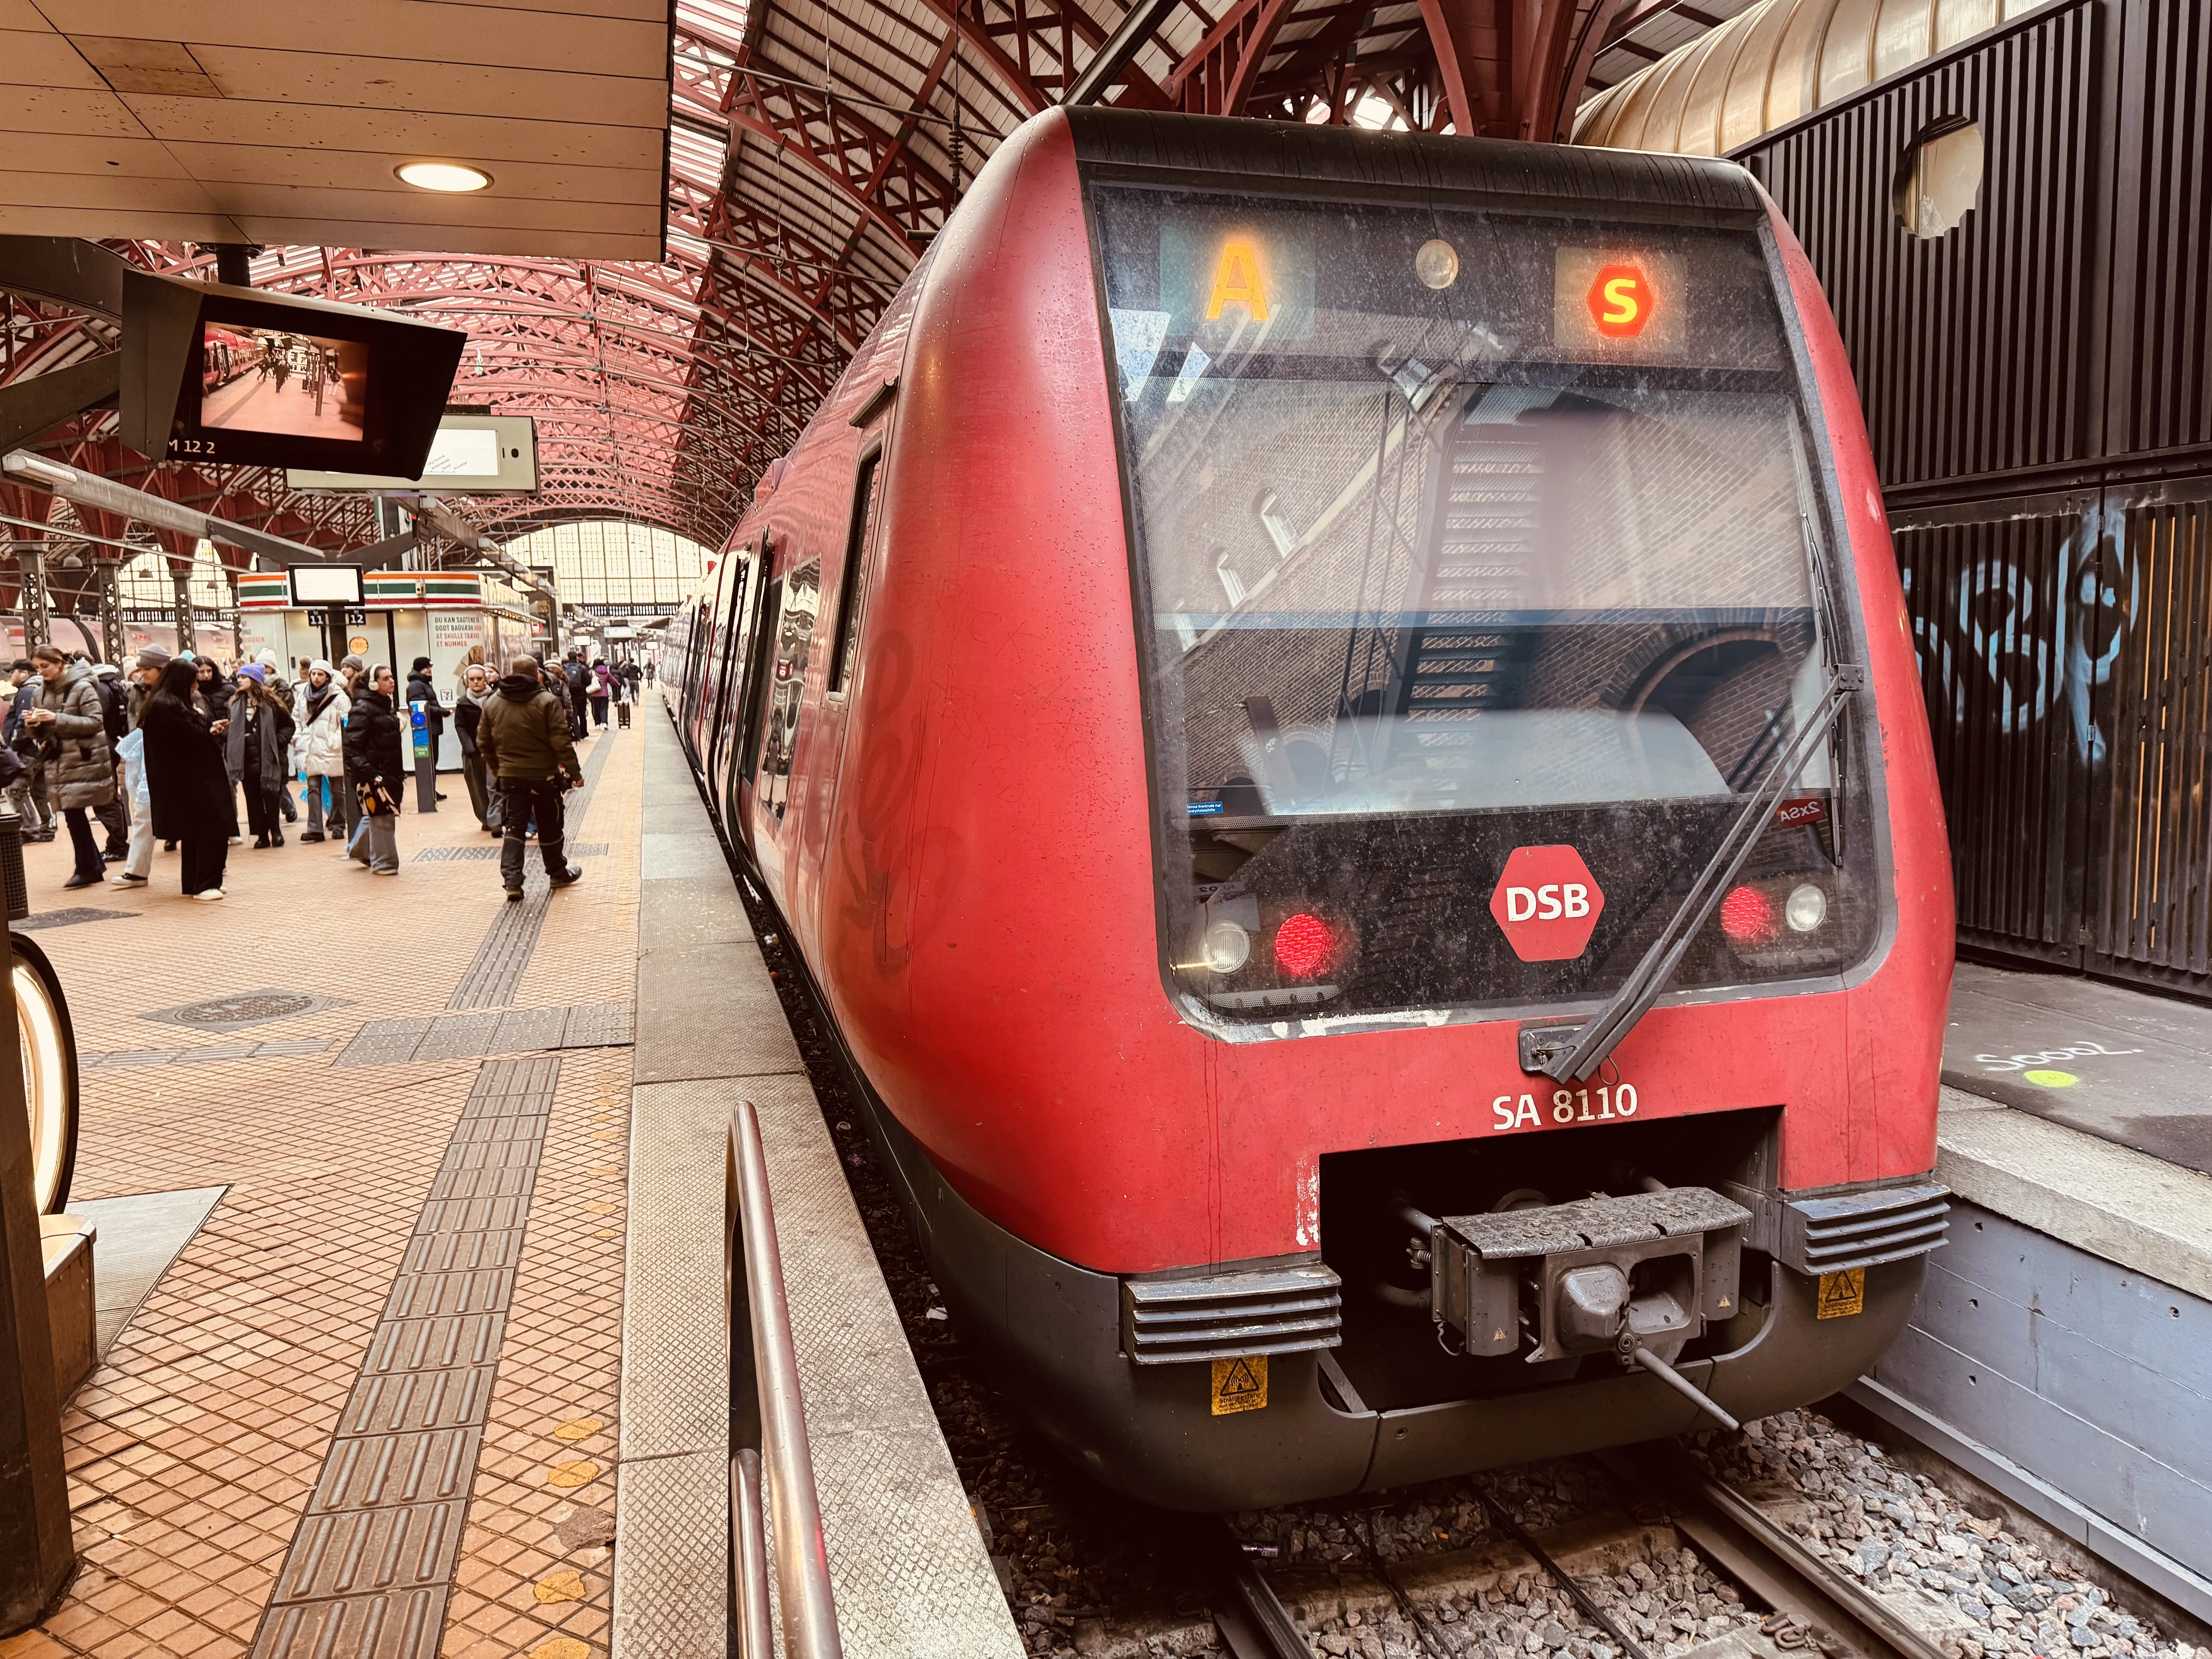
(374, 763)
(188, 780)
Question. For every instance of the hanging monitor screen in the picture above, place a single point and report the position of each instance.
(223, 375)
(325, 584)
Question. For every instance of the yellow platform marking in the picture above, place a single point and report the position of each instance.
(2052, 1079)
(1842, 1294)
(565, 1585)
(580, 1473)
(561, 1647)
(579, 1428)
(1240, 1385)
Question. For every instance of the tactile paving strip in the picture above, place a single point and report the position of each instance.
(119, 1057)
(513, 1031)
(373, 1559)
(576, 849)
(491, 979)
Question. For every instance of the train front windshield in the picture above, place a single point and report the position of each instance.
(1462, 533)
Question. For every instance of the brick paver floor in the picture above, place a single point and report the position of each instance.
(195, 1446)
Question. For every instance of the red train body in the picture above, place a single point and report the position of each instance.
(1234, 550)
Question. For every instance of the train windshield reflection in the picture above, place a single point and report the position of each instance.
(1411, 549)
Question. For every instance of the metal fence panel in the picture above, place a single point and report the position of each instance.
(2154, 891)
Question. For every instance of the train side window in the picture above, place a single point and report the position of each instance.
(845, 643)
(787, 696)
(724, 646)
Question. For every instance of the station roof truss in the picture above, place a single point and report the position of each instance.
(814, 148)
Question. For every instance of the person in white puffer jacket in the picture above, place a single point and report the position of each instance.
(320, 707)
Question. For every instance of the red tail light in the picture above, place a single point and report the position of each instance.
(1304, 945)
(1747, 916)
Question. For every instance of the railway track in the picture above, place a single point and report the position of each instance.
(1810, 1606)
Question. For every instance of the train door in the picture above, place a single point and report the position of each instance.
(826, 746)
(748, 707)
(729, 632)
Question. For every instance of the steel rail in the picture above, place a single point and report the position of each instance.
(807, 1609)
(1838, 1615)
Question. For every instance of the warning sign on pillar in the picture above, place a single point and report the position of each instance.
(1240, 1384)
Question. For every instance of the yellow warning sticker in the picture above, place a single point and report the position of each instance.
(1842, 1294)
(1240, 1385)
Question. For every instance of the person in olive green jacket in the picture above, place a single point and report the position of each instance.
(524, 739)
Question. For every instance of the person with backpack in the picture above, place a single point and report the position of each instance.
(580, 682)
(523, 736)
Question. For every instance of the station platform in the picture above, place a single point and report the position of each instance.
(2056, 1352)
(408, 1275)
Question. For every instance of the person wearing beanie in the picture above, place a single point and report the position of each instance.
(257, 747)
(318, 712)
(420, 689)
(281, 689)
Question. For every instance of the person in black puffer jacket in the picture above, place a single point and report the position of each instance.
(374, 763)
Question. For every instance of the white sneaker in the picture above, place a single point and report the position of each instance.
(208, 896)
(383, 872)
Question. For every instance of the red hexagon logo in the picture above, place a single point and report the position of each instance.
(1621, 301)
(1547, 903)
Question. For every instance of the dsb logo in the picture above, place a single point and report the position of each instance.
(1546, 903)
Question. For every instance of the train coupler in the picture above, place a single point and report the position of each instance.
(1565, 1279)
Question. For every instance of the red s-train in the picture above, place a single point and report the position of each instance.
(1331, 716)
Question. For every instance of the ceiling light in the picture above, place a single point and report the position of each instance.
(449, 177)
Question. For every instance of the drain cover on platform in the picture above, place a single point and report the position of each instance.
(243, 1008)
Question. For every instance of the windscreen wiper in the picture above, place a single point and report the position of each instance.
(1572, 1053)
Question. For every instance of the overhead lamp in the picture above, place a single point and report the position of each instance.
(449, 178)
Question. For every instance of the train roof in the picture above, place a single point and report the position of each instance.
(1222, 150)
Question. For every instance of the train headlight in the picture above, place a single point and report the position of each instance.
(1806, 909)
(1226, 947)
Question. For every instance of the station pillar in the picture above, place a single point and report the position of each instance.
(186, 633)
(31, 562)
(36, 1552)
(111, 610)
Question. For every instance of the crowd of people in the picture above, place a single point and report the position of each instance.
(161, 756)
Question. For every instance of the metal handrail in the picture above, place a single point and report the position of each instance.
(809, 1613)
